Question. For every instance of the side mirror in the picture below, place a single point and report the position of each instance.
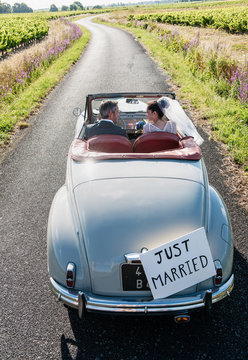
(77, 111)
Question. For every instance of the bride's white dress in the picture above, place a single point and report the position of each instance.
(170, 126)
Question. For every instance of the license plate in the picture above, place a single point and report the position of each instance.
(133, 277)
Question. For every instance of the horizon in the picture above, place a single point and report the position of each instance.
(36, 4)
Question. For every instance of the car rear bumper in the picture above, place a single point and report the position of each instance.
(89, 302)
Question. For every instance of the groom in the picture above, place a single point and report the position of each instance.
(109, 113)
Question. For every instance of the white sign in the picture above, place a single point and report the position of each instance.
(178, 264)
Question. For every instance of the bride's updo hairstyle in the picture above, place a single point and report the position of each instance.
(153, 106)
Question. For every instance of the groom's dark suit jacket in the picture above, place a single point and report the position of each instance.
(103, 127)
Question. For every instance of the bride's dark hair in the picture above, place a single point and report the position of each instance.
(153, 106)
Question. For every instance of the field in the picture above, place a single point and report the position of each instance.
(205, 58)
(233, 19)
(19, 29)
(28, 75)
(30, 45)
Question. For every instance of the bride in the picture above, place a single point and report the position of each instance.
(157, 120)
(168, 115)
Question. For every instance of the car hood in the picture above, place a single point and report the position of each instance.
(122, 212)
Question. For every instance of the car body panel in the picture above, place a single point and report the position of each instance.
(91, 170)
(113, 205)
(121, 216)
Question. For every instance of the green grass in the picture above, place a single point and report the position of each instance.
(22, 105)
(228, 118)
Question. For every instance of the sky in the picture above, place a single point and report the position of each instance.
(44, 4)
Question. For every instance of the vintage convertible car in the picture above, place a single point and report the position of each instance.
(124, 197)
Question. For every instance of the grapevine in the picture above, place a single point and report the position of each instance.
(231, 19)
(19, 30)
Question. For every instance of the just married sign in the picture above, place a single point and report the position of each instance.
(178, 264)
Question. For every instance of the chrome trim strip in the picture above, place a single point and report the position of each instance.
(133, 258)
(68, 297)
(222, 293)
(80, 304)
(128, 305)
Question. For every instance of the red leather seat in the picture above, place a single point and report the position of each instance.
(156, 141)
(109, 144)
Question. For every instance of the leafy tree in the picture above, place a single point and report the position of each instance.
(73, 7)
(5, 8)
(78, 5)
(53, 8)
(21, 8)
(97, 7)
(64, 8)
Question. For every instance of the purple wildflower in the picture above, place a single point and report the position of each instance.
(31, 65)
(239, 80)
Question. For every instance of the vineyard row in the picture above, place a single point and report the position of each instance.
(21, 29)
(231, 19)
(16, 32)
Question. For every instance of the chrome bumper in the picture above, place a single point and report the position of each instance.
(89, 302)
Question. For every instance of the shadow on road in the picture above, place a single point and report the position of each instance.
(223, 336)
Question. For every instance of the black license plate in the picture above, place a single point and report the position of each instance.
(133, 277)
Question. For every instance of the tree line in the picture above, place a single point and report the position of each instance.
(16, 8)
(23, 8)
(75, 6)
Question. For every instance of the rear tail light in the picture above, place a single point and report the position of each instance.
(182, 319)
(70, 275)
(219, 274)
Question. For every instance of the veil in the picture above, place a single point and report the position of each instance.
(174, 112)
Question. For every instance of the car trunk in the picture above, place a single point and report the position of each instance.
(121, 215)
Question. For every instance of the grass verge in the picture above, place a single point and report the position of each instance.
(228, 118)
(28, 100)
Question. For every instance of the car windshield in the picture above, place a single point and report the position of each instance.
(133, 111)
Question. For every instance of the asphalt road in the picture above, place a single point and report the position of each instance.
(32, 324)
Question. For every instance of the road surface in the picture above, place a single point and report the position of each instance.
(33, 325)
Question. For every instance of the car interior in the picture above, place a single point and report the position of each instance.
(132, 111)
(158, 141)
